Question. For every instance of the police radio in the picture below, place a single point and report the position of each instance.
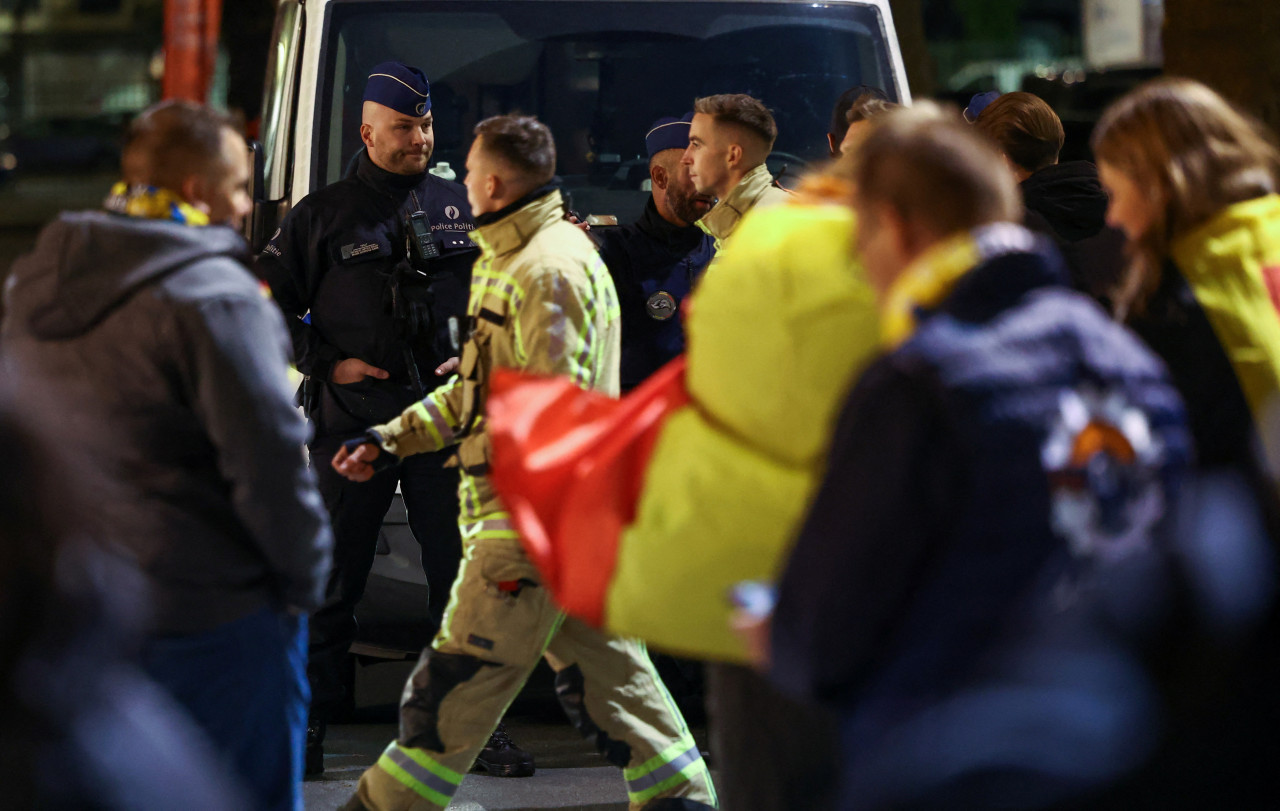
(420, 246)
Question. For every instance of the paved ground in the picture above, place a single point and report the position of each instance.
(570, 773)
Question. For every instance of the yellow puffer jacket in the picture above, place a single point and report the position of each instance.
(541, 301)
(776, 338)
(1232, 264)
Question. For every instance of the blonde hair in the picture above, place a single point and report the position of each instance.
(1195, 153)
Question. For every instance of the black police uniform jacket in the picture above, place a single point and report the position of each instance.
(654, 266)
(932, 594)
(330, 267)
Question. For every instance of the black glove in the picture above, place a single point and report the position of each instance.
(383, 461)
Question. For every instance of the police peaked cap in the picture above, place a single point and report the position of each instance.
(668, 133)
(400, 87)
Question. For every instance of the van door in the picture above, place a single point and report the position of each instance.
(279, 120)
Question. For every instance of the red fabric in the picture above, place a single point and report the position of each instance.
(569, 465)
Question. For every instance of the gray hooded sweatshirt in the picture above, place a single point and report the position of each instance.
(162, 368)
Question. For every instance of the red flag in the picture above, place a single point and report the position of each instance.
(569, 464)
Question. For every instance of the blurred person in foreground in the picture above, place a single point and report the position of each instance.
(983, 551)
(1064, 201)
(82, 726)
(145, 324)
(656, 261)
(721, 456)
(1194, 185)
(541, 300)
(730, 137)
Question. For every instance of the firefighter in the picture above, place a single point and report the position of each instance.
(730, 137)
(541, 301)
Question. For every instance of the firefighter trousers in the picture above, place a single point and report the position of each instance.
(499, 622)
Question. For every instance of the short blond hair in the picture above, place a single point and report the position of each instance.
(1195, 152)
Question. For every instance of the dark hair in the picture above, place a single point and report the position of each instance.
(848, 99)
(1025, 128)
(932, 168)
(171, 141)
(523, 142)
(744, 111)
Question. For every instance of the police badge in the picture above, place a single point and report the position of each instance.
(661, 306)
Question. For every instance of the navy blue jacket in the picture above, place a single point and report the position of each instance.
(646, 259)
(330, 267)
(929, 595)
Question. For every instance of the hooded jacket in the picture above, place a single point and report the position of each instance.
(169, 364)
(1067, 203)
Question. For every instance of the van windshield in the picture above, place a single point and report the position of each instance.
(598, 74)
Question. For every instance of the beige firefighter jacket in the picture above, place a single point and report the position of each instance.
(755, 189)
(541, 301)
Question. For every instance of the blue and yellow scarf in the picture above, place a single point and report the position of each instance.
(151, 203)
(933, 275)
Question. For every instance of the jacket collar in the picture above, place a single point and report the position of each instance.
(511, 228)
(720, 221)
(385, 181)
(971, 275)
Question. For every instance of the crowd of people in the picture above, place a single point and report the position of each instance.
(959, 466)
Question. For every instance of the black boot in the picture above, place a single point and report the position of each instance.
(313, 762)
(500, 757)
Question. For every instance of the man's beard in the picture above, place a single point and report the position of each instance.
(685, 204)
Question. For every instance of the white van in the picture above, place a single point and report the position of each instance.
(597, 72)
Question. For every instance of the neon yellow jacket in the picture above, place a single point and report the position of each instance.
(1232, 264)
(775, 339)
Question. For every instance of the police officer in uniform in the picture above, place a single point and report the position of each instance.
(372, 273)
(655, 261)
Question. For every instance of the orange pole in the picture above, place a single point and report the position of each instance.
(190, 48)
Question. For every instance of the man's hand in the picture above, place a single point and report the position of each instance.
(448, 367)
(353, 370)
(356, 465)
(754, 632)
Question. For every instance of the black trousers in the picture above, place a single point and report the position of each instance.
(772, 753)
(356, 510)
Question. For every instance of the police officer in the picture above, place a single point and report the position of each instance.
(372, 273)
(656, 260)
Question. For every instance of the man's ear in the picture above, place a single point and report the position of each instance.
(658, 174)
(493, 187)
(366, 135)
(733, 155)
(194, 191)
